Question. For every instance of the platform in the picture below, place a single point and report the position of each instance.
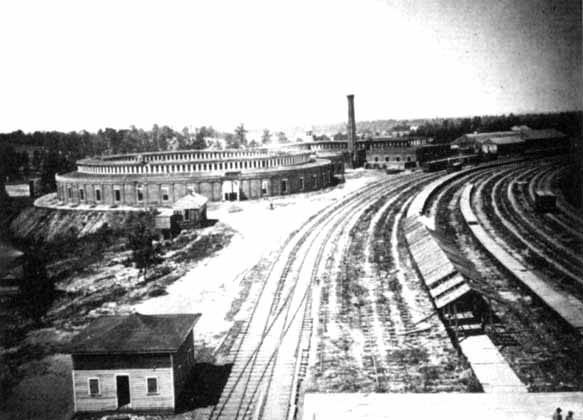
(489, 365)
(565, 305)
(450, 406)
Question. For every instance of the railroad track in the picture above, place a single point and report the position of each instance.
(566, 219)
(267, 336)
(380, 297)
(519, 231)
(529, 334)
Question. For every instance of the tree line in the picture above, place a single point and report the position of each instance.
(56, 152)
(46, 153)
(446, 130)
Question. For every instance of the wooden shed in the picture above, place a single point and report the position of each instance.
(190, 210)
(133, 362)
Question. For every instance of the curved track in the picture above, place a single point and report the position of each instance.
(273, 334)
(543, 352)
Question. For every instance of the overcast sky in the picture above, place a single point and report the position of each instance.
(72, 65)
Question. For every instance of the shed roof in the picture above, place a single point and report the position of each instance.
(135, 333)
(438, 272)
(462, 264)
(190, 201)
(505, 140)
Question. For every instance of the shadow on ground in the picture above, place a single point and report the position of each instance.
(204, 386)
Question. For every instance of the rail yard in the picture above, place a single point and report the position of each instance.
(440, 269)
(345, 303)
(343, 309)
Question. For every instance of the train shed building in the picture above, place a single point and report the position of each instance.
(375, 152)
(517, 140)
(133, 363)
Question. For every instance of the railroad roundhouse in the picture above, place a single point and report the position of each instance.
(160, 179)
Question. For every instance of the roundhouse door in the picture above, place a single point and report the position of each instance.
(123, 390)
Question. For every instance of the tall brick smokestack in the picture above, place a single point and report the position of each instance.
(351, 128)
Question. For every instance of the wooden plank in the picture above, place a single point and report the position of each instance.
(140, 399)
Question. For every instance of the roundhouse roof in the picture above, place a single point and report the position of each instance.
(223, 155)
(77, 176)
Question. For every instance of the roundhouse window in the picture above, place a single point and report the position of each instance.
(81, 194)
(165, 196)
(97, 194)
(264, 186)
(140, 194)
(116, 194)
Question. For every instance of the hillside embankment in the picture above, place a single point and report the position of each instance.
(49, 225)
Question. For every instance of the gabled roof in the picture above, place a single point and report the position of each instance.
(492, 134)
(135, 333)
(190, 201)
(505, 140)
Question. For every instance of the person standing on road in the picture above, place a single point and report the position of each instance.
(558, 415)
(569, 416)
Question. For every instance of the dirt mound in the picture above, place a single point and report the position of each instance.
(35, 223)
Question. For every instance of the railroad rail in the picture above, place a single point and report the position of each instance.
(247, 393)
(568, 307)
(527, 331)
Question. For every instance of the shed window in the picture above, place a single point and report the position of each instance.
(186, 215)
(152, 385)
(69, 192)
(94, 386)
(301, 184)
(283, 186)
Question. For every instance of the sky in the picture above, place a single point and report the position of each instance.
(73, 65)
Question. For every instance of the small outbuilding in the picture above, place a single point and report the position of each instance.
(190, 210)
(133, 362)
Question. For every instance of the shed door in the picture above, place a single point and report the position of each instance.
(123, 390)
